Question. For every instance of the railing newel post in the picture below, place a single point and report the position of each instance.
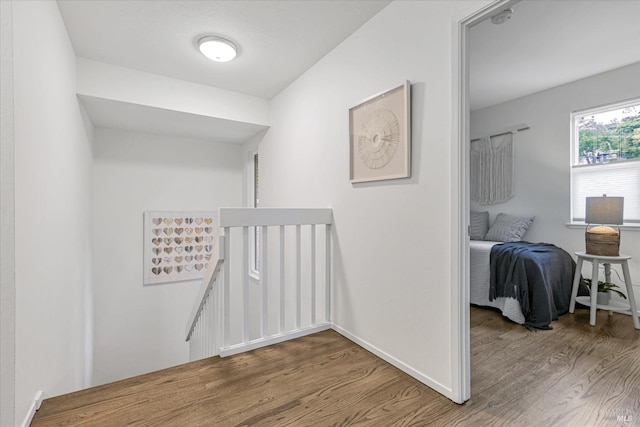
(245, 285)
(327, 273)
(226, 291)
(298, 276)
(282, 279)
(313, 274)
(264, 278)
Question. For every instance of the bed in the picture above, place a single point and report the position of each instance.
(529, 283)
(480, 252)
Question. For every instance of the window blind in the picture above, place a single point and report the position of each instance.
(612, 179)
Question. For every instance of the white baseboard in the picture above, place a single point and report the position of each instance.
(426, 380)
(37, 401)
(274, 339)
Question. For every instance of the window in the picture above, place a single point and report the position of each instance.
(256, 180)
(606, 157)
(255, 232)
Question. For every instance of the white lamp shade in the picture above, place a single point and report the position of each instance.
(604, 210)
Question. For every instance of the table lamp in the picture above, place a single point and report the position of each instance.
(602, 239)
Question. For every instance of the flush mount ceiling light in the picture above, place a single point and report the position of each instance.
(217, 48)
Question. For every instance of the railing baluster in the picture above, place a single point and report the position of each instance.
(313, 274)
(298, 276)
(203, 332)
(198, 338)
(282, 279)
(264, 278)
(212, 327)
(207, 325)
(227, 288)
(217, 317)
(245, 285)
(214, 322)
(207, 328)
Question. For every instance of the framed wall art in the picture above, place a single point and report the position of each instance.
(380, 136)
(178, 245)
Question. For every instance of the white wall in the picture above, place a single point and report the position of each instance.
(141, 328)
(7, 221)
(52, 206)
(543, 156)
(101, 80)
(392, 240)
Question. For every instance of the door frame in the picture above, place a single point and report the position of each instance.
(460, 322)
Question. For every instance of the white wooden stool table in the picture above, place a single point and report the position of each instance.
(591, 300)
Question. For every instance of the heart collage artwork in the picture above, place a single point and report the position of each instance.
(178, 246)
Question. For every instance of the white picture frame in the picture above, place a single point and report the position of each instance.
(380, 136)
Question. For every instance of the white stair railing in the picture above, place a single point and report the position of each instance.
(238, 311)
(205, 316)
(291, 298)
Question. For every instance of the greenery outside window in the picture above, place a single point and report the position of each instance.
(606, 157)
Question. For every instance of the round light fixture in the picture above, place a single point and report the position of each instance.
(217, 48)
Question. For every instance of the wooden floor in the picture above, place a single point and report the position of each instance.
(573, 375)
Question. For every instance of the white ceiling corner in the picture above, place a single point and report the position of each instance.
(549, 43)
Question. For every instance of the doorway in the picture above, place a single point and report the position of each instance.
(461, 352)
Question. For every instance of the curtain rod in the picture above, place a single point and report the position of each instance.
(517, 128)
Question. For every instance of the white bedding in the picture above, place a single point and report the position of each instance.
(479, 259)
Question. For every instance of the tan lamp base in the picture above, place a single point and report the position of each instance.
(602, 240)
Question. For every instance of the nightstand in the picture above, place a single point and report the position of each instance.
(590, 301)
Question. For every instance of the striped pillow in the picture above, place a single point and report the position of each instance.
(479, 225)
(508, 228)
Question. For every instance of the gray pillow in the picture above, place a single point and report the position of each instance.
(508, 228)
(479, 225)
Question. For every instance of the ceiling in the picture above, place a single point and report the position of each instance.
(544, 44)
(549, 43)
(278, 40)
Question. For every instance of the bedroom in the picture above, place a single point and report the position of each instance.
(543, 150)
(561, 368)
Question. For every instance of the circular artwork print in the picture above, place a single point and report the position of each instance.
(379, 138)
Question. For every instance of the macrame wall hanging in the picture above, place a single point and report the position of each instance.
(492, 175)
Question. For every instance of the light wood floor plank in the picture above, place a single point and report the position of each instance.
(573, 375)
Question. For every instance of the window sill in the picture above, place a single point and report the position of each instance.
(582, 225)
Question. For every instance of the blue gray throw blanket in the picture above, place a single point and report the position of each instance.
(538, 275)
